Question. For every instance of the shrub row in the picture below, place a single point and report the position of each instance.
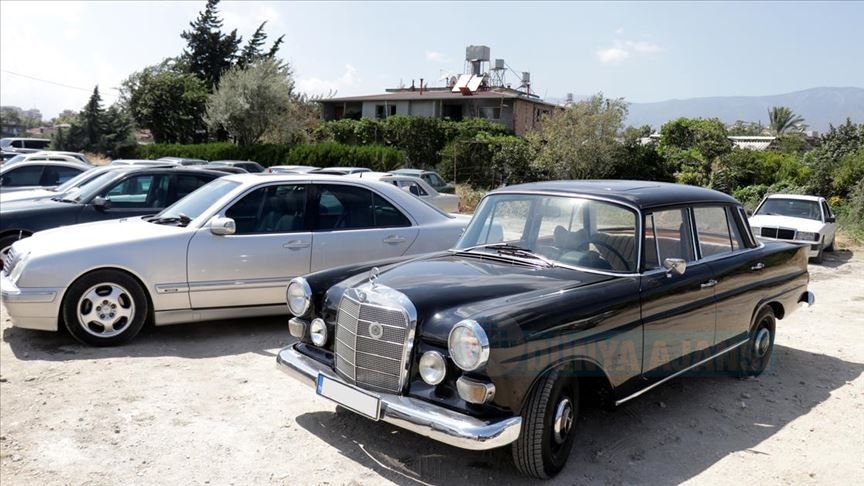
(265, 154)
(328, 154)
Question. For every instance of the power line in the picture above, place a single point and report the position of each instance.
(45, 81)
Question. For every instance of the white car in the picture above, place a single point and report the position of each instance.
(799, 219)
(416, 186)
(39, 170)
(227, 250)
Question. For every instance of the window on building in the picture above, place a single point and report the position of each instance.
(383, 111)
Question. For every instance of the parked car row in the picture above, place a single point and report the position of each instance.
(480, 334)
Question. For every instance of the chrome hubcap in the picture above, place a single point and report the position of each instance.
(563, 420)
(105, 310)
(762, 342)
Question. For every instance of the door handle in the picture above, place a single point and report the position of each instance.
(296, 245)
(757, 267)
(709, 284)
(394, 240)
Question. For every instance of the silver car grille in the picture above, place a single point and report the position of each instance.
(376, 359)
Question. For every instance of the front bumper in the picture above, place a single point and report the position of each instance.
(420, 417)
(30, 308)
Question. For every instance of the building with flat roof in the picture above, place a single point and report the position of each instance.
(483, 93)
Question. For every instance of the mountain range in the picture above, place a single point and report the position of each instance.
(820, 108)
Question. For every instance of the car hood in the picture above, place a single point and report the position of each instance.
(771, 221)
(31, 194)
(29, 205)
(91, 236)
(446, 289)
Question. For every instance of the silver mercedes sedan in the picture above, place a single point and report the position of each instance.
(227, 250)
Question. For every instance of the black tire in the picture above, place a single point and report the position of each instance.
(830, 247)
(753, 356)
(539, 451)
(820, 257)
(130, 297)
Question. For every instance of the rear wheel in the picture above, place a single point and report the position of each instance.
(753, 356)
(105, 308)
(548, 423)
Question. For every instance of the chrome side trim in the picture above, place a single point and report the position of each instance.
(678, 373)
(168, 317)
(172, 288)
(420, 417)
(248, 283)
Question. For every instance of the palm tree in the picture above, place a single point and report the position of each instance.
(781, 119)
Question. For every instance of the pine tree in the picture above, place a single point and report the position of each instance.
(252, 49)
(209, 52)
(92, 118)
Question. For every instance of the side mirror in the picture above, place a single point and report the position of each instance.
(831, 219)
(674, 265)
(223, 226)
(101, 203)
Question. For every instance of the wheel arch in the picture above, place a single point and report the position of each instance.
(119, 269)
(594, 382)
(16, 231)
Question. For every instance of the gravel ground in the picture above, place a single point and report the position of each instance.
(204, 404)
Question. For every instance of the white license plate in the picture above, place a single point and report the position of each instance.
(349, 397)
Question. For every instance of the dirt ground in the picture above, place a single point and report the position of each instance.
(205, 404)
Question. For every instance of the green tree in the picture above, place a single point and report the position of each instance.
(579, 141)
(91, 119)
(692, 145)
(209, 53)
(782, 119)
(826, 160)
(66, 116)
(250, 102)
(168, 102)
(745, 128)
(252, 51)
(97, 130)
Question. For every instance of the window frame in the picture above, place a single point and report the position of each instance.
(688, 217)
(314, 198)
(15, 169)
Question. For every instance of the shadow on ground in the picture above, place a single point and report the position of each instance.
(675, 431)
(199, 340)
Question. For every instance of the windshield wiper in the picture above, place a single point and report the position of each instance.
(179, 220)
(514, 250)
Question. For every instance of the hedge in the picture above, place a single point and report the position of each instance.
(265, 154)
(332, 154)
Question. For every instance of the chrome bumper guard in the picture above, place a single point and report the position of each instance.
(441, 424)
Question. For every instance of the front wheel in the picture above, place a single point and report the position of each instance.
(105, 308)
(548, 423)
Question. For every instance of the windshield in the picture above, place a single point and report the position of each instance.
(570, 231)
(199, 200)
(92, 188)
(80, 179)
(795, 208)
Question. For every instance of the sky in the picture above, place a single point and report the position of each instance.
(639, 51)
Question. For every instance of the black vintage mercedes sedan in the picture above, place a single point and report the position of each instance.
(557, 292)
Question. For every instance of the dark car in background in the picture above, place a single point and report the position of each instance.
(247, 165)
(118, 193)
(24, 145)
(557, 291)
(183, 161)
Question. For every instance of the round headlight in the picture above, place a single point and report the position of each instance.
(298, 296)
(469, 346)
(318, 332)
(432, 367)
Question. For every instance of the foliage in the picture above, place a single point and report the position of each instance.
(252, 50)
(781, 119)
(742, 167)
(252, 101)
(826, 160)
(469, 197)
(209, 52)
(334, 154)
(634, 160)
(168, 102)
(745, 128)
(751, 196)
(850, 213)
(580, 140)
(692, 145)
(487, 160)
(13, 115)
(95, 129)
(265, 154)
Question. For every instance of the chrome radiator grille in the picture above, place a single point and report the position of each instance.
(373, 341)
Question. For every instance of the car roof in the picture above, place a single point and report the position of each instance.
(802, 197)
(641, 194)
(410, 171)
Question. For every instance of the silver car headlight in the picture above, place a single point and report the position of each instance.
(806, 235)
(18, 269)
(298, 296)
(468, 344)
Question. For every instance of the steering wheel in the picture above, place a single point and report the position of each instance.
(608, 247)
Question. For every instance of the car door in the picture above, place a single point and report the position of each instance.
(830, 221)
(54, 175)
(355, 224)
(678, 310)
(271, 245)
(133, 195)
(736, 267)
(18, 178)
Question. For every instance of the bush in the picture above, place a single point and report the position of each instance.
(489, 161)
(264, 154)
(469, 197)
(751, 196)
(333, 154)
(850, 214)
